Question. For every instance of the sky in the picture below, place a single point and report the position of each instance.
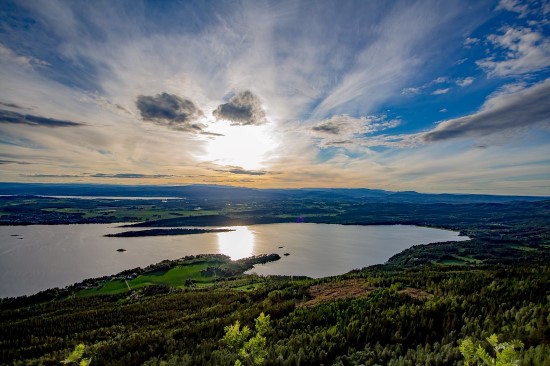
(431, 96)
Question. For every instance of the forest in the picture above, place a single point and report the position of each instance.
(414, 316)
(416, 309)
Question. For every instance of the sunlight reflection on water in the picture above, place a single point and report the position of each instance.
(237, 244)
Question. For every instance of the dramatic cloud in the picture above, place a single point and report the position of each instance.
(527, 50)
(501, 113)
(345, 130)
(312, 66)
(27, 119)
(171, 111)
(243, 109)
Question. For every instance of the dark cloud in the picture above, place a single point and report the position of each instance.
(27, 119)
(501, 113)
(240, 171)
(342, 142)
(11, 105)
(243, 109)
(171, 111)
(50, 176)
(130, 175)
(96, 175)
(247, 172)
(327, 127)
(213, 134)
(14, 162)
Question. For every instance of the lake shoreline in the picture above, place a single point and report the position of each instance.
(316, 251)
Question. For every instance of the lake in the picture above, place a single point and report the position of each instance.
(38, 257)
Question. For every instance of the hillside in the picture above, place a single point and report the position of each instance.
(219, 192)
(414, 310)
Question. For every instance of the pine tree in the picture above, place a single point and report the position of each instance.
(506, 353)
(76, 357)
(250, 350)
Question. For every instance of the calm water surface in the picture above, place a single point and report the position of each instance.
(46, 256)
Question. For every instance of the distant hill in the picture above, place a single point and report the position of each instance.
(236, 194)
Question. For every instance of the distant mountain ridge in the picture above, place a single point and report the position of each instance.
(219, 192)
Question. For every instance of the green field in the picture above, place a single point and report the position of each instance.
(523, 248)
(175, 277)
(223, 273)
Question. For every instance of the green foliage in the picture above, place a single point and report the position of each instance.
(77, 357)
(506, 353)
(468, 351)
(234, 336)
(251, 351)
(382, 328)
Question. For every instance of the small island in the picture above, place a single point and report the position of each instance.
(164, 232)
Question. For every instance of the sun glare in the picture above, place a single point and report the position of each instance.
(247, 147)
(236, 244)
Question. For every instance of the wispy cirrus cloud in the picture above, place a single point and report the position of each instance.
(435, 85)
(388, 63)
(345, 130)
(8, 55)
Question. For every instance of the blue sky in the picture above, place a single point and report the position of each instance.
(433, 96)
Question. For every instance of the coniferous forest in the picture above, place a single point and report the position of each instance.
(416, 309)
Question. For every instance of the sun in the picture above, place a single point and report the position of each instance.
(247, 147)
